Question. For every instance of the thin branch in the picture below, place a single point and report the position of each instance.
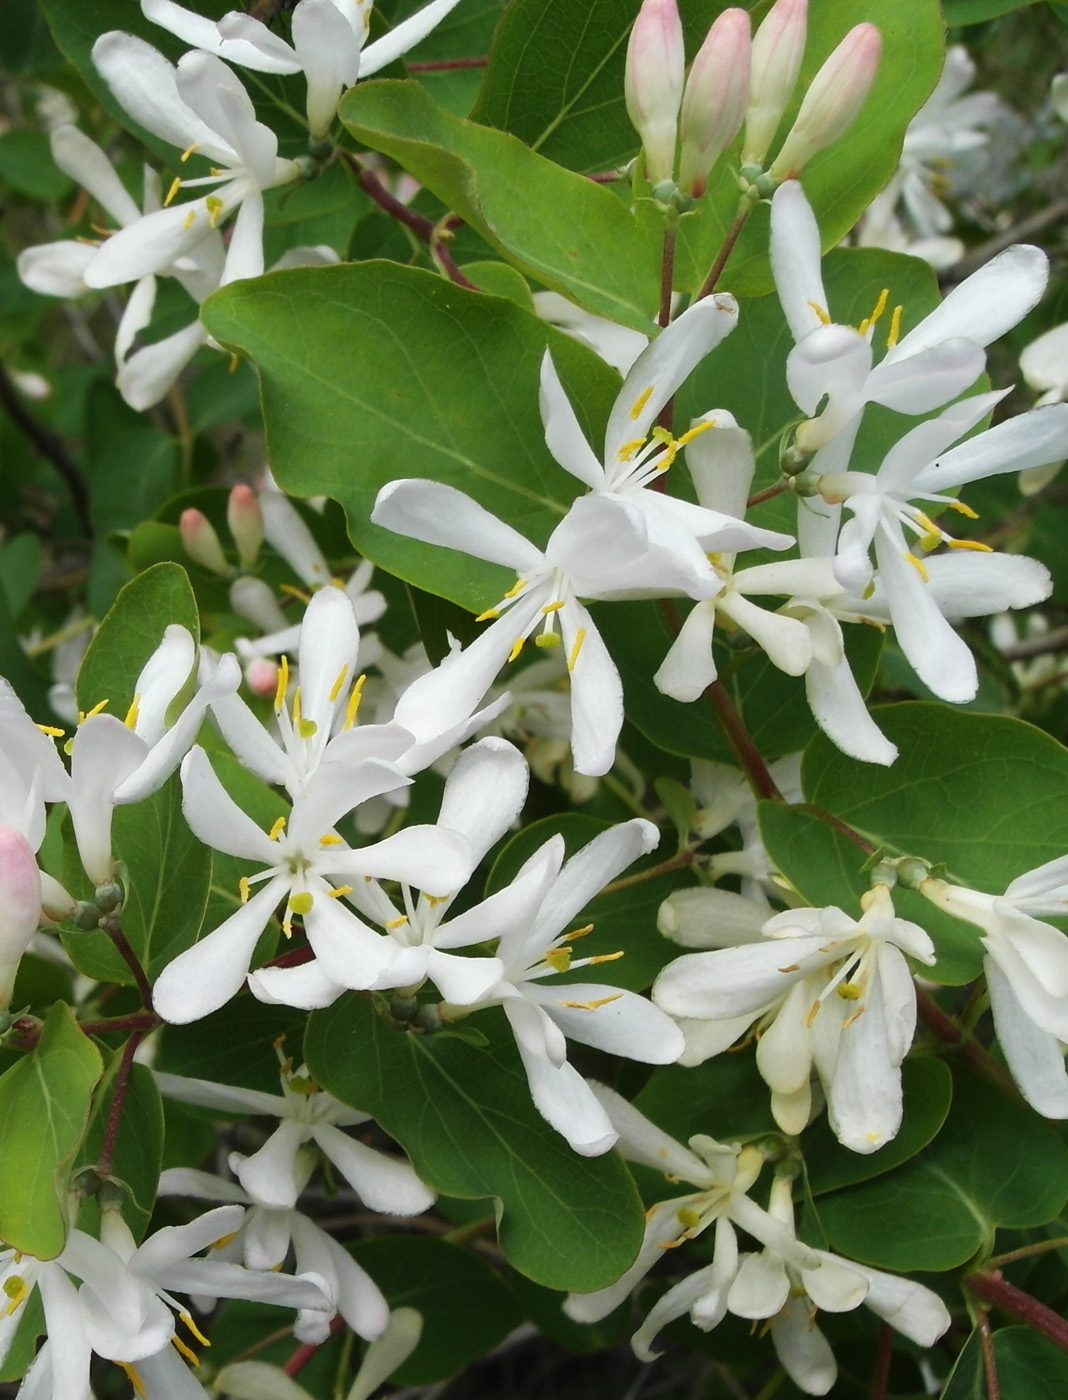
(136, 1021)
(106, 1160)
(1047, 645)
(741, 741)
(767, 494)
(445, 65)
(724, 253)
(683, 858)
(667, 273)
(990, 1363)
(947, 1030)
(994, 1289)
(1026, 228)
(49, 445)
(1026, 1252)
(113, 929)
(843, 828)
(883, 1356)
(307, 1350)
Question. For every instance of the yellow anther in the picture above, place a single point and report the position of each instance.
(186, 1351)
(282, 684)
(190, 218)
(919, 566)
(578, 933)
(517, 647)
(813, 1012)
(553, 607)
(672, 1244)
(216, 170)
(580, 637)
(821, 314)
(627, 451)
(301, 903)
(854, 1016)
(397, 923)
(231, 368)
(189, 150)
(276, 830)
(134, 1379)
(516, 588)
(592, 1005)
(224, 1240)
(895, 327)
(352, 709)
(848, 991)
(488, 615)
(607, 957)
(88, 714)
(214, 205)
(335, 689)
(640, 402)
(295, 592)
(51, 731)
(926, 523)
(963, 509)
(176, 185)
(435, 899)
(547, 639)
(187, 1319)
(331, 838)
(559, 959)
(696, 431)
(970, 544)
(242, 886)
(340, 892)
(880, 306)
(133, 713)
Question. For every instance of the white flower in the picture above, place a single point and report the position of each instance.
(829, 991)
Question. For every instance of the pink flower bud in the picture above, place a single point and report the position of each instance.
(261, 673)
(245, 519)
(714, 102)
(202, 543)
(656, 65)
(838, 92)
(20, 905)
(778, 48)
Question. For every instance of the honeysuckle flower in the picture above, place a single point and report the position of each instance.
(265, 1238)
(653, 82)
(200, 107)
(328, 44)
(715, 99)
(304, 858)
(274, 1176)
(484, 794)
(115, 761)
(1026, 967)
(20, 905)
(828, 991)
(618, 346)
(529, 917)
(937, 360)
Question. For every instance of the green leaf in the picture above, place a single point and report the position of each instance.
(467, 1308)
(465, 1118)
(26, 166)
(234, 1045)
(131, 632)
(1028, 1366)
(983, 794)
(374, 371)
(44, 1110)
(976, 11)
(724, 1097)
(570, 233)
(994, 1163)
(138, 1147)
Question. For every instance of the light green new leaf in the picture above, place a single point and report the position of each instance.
(44, 1109)
(463, 1114)
(571, 234)
(375, 371)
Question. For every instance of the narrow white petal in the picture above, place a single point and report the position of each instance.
(404, 37)
(383, 1183)
(441, 515)
(1034, 1056)
(689, 667)
(260, 50)
(795, 260)
(145, 85)
(596, 693)
(628, 1025)
(563, 436)
(484, 793)
(589, 870)
(216, 818)
(148, 375)
(84, 161)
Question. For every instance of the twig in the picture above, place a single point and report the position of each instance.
(992, 1288)
(1052, 214)
(727, 249)
(883, 1356)
(861, 842)
(667, 273)
(113, 929)
(1046, 645)
(122, 1082)
(990, 1362)
(444, 65)
(947, 1030)
(48, 445)
(665, 867)
(766, 494)
(1026, 1251)
(307, 1350)
(136, 1021)
(741, 741)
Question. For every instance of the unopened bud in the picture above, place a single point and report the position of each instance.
(202, 543)
(20, 905)
(715, 99)
(261, 674)
(778, 48)
(656, 66)
(245, 519)
(832, 103)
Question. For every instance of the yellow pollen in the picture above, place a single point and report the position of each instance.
(822, 315)
(352, 709)
(242, 885)
(627, 451)
(931, 541)
(187, 1319)
(297, 593)
(687, 1217)
(488, 615)
(580, 637)
(963, 509)
(971, 544)
(189, 150)
(919, 566)
(435, 899)
(51, 731)
(186, 1351)
(927, 523)
(547, 639)
(282, 685)
(176, 185)
(224, 1240)
(340, 892)
(398, 923)
(672, 1244)
(553, 607)
(559, 959)
(88, 714)
(517, 647)
(592, 1005)
(895, 327)
(640, 402)
(516, 588)
(331, 839)
(133, 713)
(848, 991)
(578, 933)
(277, 829)
(880, 307)
(301, 903)
(214, 205)
(16, 1290)
(190, 219)
(335, 689)
(607, 957)
(695, 431)
(134, 1379)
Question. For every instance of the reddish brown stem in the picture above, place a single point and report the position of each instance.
(881, 1375)
(136, 1021)
(113, 929)
(990, 1361)
(447, 263)
(846, 830)
(307, 1350)
(745, 751)
(766, 494)
(605, 177)
(994, 1289)
(293, 957)
(667, 274)
(445, 65)
(122, 1082)
(970, 1051)
(665, 867)
(373, 186)
(724, 253)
